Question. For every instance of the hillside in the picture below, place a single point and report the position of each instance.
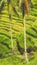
(6, 56)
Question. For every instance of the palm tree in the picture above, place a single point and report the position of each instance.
(25, 10)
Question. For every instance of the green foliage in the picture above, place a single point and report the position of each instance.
(18, 33)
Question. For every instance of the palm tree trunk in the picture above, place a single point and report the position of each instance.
(25, 47)
(10, 19)
(11, 35)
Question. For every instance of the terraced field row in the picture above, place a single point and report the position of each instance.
(18, 27)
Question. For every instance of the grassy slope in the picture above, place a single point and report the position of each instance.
(15, 60)
(17, 28)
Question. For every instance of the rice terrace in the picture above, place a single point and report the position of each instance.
(18, 32)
